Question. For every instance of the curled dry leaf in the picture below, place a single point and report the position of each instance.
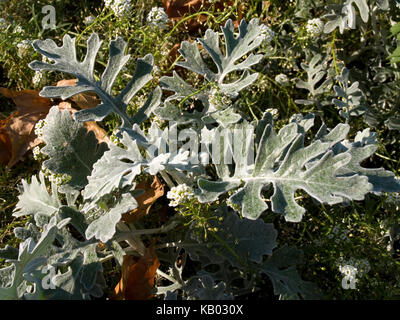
(151, 193)
(137, 278)
(17, 132)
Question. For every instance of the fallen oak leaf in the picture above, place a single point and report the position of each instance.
(119, 290)
(151, 193)
(17, 132)
(27, 100)
(19, 127)
(137, 278)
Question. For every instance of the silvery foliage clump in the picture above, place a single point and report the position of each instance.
(350, 97)
(344, 16)
(66, 223)
(217, 97)
(316, 72)
(377, 83)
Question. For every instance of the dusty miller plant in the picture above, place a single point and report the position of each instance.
(327, 166)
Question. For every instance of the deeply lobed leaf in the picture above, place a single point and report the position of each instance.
(327, 173)
(236, 48)
(65, 60)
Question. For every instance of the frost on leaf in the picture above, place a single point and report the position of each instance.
(216, 96)
(326, 172)
(72, 149)
(65, 60)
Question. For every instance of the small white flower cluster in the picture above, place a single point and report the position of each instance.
(23, 47)
(37, 78)
(39, 128)
(348, 271)
(89, 20)
(157, 17)
(339, 234)
(156, 71)
(55, 178)
(274, 112)
(18, 29)
(178, 194)
(315, 27)
(267, 34)
(120, 7)
(218, 100)
(47, 60)
(37, 153)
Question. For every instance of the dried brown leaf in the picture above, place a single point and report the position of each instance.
(17, 132)
(151, 193)
(137, 278)
(19, 127)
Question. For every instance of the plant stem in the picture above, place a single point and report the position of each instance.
(127, 235)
